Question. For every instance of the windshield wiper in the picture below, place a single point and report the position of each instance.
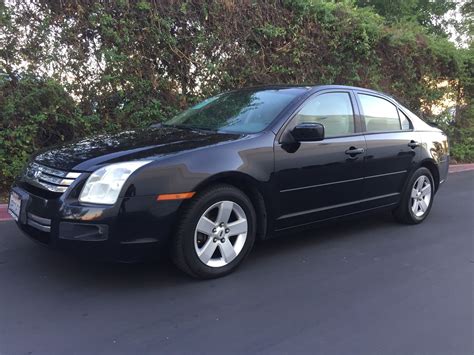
(191, 128)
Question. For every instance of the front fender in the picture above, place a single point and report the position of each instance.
(252, 156)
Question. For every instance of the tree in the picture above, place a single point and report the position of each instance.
(430, 14)
(75, 67)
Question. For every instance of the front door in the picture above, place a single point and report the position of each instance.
(323, 179)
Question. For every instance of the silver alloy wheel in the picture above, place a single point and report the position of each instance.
(220, 234)
(420, 196)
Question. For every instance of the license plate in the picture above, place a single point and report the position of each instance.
(14, 205)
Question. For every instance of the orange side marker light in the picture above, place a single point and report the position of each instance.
(181, 196)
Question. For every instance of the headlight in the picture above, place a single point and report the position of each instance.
(104, 185)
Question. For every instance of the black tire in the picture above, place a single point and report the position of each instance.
(404, 213)
(184, 254)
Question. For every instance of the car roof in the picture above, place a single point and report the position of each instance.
(313, 88)
(355, 88)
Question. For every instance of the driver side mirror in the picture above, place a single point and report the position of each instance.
(308, 132)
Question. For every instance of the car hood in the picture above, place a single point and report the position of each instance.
(151, 143)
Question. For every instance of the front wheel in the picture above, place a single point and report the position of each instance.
(216, 232)
(417, 198)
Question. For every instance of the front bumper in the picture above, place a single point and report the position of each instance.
(134, 229)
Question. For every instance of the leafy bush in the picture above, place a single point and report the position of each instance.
(460, 132)
(77, 68)
(35, 113)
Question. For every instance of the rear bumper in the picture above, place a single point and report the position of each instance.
(134, 229)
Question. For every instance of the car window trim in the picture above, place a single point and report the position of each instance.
(389, 99)
(382, 98)
(408, 118)
(387, 132)
(355, 113)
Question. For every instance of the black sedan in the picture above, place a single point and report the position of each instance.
(240, 166)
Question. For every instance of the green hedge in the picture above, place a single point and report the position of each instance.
(77, 68)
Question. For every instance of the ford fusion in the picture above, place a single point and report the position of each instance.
(238, 167)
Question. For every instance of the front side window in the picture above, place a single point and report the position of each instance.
(332, 110)
(380, 115)
(244, 111)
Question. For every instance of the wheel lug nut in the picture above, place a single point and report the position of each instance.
(222, 240)
(227, 230)
(222, 224)
(215, 240)
(214, 230)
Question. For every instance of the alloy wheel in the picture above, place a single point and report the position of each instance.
(421, 196)
(220, 234)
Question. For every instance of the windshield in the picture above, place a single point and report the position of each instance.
(245, 111)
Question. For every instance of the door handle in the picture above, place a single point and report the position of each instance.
(413, 144)
(354, 151)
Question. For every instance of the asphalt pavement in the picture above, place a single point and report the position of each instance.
(364, 286)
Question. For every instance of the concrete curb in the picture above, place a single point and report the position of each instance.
(5, 216)
(460, 167)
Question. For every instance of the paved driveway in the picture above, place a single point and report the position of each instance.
(367, 286)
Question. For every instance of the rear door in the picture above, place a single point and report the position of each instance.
(323, 179)
(391, 148)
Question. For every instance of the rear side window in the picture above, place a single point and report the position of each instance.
(380, 115)
(333, 110)
(406, 125)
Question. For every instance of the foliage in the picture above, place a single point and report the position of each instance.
(430, 14)
(461, 138)
(75, 68)
(460, 128)
(35, 113)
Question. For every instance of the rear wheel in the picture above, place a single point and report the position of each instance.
(216, 232)
(417, 198)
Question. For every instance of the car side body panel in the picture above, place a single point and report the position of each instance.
(388, 163)
(435, 149)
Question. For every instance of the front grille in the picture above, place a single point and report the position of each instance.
(48, 178)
